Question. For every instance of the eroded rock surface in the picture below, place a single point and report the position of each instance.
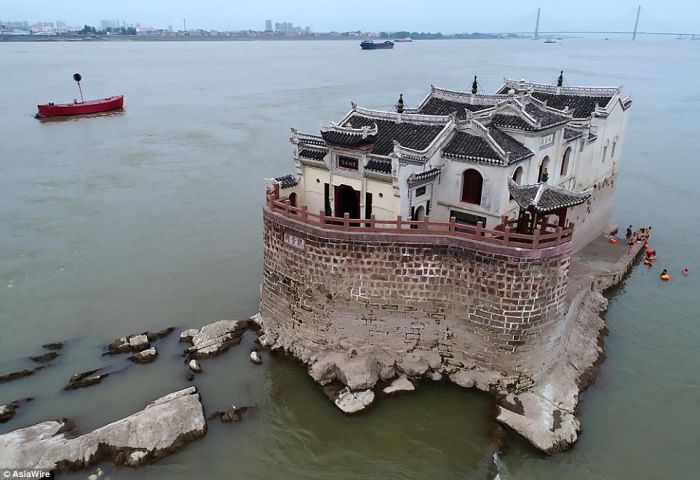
(145, 356)
(232, 415)
(353, 402)
(217, 337)
(164, 426)
(401, 384)
(45, 357)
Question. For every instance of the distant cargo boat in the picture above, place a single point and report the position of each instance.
(80, 107)
(549, 40)
(370, 45)
(402, 40)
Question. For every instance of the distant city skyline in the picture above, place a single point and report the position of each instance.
(447, 16)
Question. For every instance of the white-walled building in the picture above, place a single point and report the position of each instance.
(453, 156)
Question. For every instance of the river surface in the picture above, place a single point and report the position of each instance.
(152, 218)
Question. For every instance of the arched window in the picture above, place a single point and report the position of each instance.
(472, 182)
(565, 163)
(518, 175)
(612, 152)
(543, 174)
(605, 151)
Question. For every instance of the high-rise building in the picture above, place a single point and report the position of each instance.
(268, 25)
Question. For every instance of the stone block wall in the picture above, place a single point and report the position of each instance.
(489, 306)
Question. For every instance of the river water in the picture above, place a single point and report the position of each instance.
(152, 218)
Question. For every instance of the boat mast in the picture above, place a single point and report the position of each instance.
(77, 77)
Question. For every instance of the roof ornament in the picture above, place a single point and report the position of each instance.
(353, 105)
(560, 80)
(399, 104)
(511, 92)
(475, 86)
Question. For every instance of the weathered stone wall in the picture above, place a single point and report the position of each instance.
(594, 216)
(478, 305)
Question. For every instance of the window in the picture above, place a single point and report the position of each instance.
(543, 174)
(565, 163)
(420, 191)
(612, 152)
(605, 153)
(472, 182)
(348, 162)
(581, 144)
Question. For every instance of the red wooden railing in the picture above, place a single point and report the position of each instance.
(552, 235)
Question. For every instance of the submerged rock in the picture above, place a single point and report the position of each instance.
(46, 357)
(353, 402)
(401, 384)
(85, 379)
(53, 346)
(217, 337)
(255, 357)
(8, 411)
(164, 426)
(6, 377)
(138, 342)
(233, 414)
(145, 356)
(195, 366)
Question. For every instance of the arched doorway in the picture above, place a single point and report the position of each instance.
(565, 163)
(472, 183)
(543, 174)
(293, 199)
(419, 213)
(347, 200)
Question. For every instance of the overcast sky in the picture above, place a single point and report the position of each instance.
(447, 16)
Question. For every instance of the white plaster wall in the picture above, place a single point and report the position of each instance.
(385, 207)
(313, 191)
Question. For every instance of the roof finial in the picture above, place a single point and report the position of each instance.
(560, 80)
(399, 104)
(475, 85)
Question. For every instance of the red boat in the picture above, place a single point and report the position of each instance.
(81, 107)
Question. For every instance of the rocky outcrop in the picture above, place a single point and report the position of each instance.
(216, 338)
(358, 373)
(186, 335)
(145, 356)
(25, 372)
(401, 384)
(136, 342)
(353, 402)
(154, 336)
(195, 366)
(7, 412)
(53, 346)
(546, 413)
(85, 379)
(163, 427)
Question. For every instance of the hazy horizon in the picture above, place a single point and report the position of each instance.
(447, 16)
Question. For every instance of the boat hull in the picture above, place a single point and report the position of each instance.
(376, 46)
(81, 108)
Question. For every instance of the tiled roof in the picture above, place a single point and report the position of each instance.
(417, 178)
(570, 134)
(312, 153)
(347, 138)
(580, 106)
(377, 165)
(544, 198)
(409, 135)
(287, 181)
(440, 106)
(473, 147)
